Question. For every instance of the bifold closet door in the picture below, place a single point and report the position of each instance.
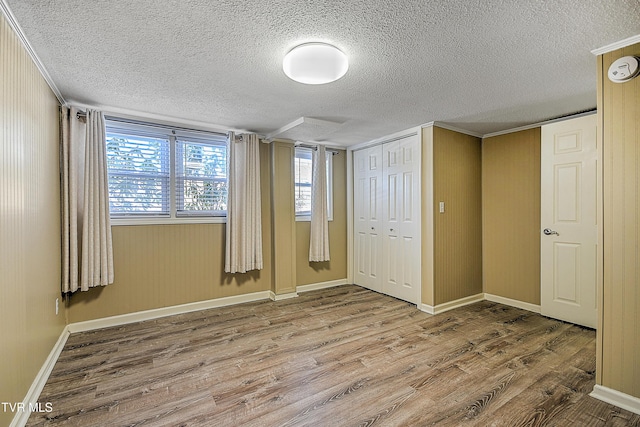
(401, 219)
(367, 212)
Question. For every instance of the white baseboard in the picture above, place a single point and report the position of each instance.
(156, 313)
(321, 285)
(599, 392)
(441, 308)
(513, 303)
(279, 297)
(307, 288)
(31, 399)
(617, 398)
(426, 308)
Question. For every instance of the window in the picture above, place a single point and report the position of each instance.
(139, 175)
(302, 176)
(159, 174)
(303, 171)
(201, 178)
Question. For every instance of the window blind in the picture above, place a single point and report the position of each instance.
(201, 178)
(302, 179)
(139, 174)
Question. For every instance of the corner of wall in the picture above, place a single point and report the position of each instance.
(428, 290)
(283, 221)
(30, 223)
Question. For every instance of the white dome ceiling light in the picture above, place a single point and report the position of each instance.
(315, 63)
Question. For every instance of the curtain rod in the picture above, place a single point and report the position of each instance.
(315, 147)
(83, 115)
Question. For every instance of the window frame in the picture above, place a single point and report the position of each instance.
(161, 177)
(173, 135)
(304, 217)
(179, 193)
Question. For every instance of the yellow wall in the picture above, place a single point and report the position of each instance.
(164, 265)
(284, 218)
(427, 213)
(317, 272)
(29, 220)
(457, 255)
(511, 215)
(619, 297)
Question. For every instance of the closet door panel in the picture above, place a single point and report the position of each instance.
(368, 217)
(391, 198)
(401, 220)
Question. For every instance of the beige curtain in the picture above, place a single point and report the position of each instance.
(244, 219)
(86, 227)
(319, 242)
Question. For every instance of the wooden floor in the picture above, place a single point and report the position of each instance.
(344, 356)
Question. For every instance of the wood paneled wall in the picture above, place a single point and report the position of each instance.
(317, 272)
(29, 220)
(511, 215)
(457, 231)
(284, 218)
(427, 212)
(619, 332)
(164, 265)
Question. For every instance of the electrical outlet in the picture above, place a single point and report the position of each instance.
(57, 304)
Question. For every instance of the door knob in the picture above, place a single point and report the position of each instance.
(550, 232)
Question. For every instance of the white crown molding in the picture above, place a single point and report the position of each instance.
(617, 398)
(387, 138)
(11, 19)
(453, 128)
(506, 131)
(539, 124)
(31, 399)
(617, 45)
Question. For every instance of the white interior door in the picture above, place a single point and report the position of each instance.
(568, 221)
(367, 211)
(401, 219)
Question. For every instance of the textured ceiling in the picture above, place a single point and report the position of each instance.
(480, 65)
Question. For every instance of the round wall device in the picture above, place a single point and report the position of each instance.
(624, 69)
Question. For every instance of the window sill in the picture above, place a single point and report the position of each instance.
(307, 218)
(169, 221)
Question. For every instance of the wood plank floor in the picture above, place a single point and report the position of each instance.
(343, 356)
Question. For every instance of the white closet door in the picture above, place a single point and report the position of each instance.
(401, 218)
(367, 211)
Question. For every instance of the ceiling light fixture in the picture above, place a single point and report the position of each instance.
(315, 63)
